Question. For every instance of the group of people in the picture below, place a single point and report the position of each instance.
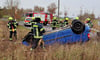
(34, 37)
(55, 23)
(64, 23)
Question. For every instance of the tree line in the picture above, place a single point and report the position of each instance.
(11, 8)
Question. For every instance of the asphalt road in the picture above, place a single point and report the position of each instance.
(47, 28)
(21, 23)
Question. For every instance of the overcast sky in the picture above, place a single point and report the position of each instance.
(73, 6)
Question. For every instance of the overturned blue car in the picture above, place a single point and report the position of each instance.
(78, 32)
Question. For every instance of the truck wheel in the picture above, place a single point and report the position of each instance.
(78, 27)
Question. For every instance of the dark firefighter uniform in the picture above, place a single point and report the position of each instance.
(54, 23)
(28, 38)
(88, 21)
(32, 23)
(12, 25)
(61, 24)
(38, 31)
(66, 21)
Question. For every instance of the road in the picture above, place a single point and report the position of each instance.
(47, 28)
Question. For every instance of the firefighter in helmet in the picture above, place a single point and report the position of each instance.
(88, 21)
(76, 18)
(12, 25)
(29, 37)
(54, 23)
(61, 24)
(38, 33)
(33, 20)
(66, 21)
(32, 23)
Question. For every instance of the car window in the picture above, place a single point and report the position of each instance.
(29, 19)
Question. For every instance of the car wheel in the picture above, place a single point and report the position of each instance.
(78, 27)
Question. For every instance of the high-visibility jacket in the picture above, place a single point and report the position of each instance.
(61, 24)
(38, 30)
(54, 23)
(66, 22)
(12, 25)
(32, 23)
(89, 23)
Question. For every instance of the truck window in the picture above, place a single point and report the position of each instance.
(40, 15)
(30, 15)
(48, 17)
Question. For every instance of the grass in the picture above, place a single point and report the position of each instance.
(95, 23)
(16, 51)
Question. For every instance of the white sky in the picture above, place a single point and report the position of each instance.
(73, 6)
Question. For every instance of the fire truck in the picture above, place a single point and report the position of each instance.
(45, 17)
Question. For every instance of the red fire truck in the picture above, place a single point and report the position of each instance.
(45, 17)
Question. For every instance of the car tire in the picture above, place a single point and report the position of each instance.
(78, 27)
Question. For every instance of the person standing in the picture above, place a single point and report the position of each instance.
(12, 25)
(32, 23)
(38, 33)
(54, 23)
(66, 21)
(88, 21)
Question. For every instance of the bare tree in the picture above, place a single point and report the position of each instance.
(12, 5)
(92, 16)
(52, 8)
(87, 15)
(38, 9)
(27, 10)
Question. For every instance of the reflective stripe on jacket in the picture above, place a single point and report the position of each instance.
(54, 23)
(12, 25)
(38, 30)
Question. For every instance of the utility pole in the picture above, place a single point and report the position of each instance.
(58, 8)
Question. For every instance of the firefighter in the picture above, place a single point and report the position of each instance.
(54, 23)
(33, 20)
(32, 23)
(12, 25)
(66, 21)
(76, 18)
(28, 38)
(38, 33)
(88, 21)
(61, 24)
